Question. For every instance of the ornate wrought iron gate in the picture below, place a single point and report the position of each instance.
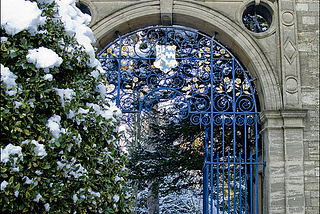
(204, 83)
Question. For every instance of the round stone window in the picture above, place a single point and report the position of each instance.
(257, 18)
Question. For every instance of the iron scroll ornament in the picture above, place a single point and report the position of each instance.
(203, 83)
(207, 82)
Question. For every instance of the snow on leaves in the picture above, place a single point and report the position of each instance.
(9, 79)
(19, 15)
(59, 134)
(43, 58)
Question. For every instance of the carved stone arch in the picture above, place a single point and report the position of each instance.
(191, 14)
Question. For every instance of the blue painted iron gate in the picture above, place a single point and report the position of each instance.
(205, 84)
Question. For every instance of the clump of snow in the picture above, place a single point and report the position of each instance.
(47, 207)
(71, 168)
(65, 95)
(9, 79)
(107, 112)
(3, 39)
(97, 194)
(19, 15)
(17, 104)
(30, 181)
(39, 150)
(75, 198)
(54, 125)
(4, 184)
(117, 178)
(37, 198)
(11, 150)
(48, 77)
(76, 24)
(43, 58)
(116, 198)
(102, 89)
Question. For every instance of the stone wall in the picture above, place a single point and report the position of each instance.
(308, 38)
(285, 60)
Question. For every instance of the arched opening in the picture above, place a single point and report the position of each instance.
(204, 85)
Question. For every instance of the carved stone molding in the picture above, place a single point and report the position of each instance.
(290, 68)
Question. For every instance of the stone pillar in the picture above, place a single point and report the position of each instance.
(274, 173)
(293, 157)
(282, 137)
(290, 66)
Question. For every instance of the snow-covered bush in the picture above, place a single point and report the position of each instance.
(59, 138)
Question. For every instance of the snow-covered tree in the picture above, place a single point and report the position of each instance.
(165, 162)
(59, 137)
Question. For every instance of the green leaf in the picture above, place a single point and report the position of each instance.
(28, 194)
(13, 54)
(47, 166)
(4, 175)
(21, 206)
(17, 187)
(6, 111)
(57, 144)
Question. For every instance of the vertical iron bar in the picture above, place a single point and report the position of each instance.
(245, 165)
(206, 173)
(218, 182)
(240, 184)
(223, 148)
(211, 122)
(251, 186)
(257, 166)
(234, 109)
(229, 182)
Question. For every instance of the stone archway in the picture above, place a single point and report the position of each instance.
(243, 46)
(188, 14)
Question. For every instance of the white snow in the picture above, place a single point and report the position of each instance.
(37, 198)
(97, 194)
(9, 79)
(65, 95)
(83, 111)
(54, 125)
(19, 15)
(70, 167)
(4, 184)
(116, 198)
(75, 23)
(102, 89)
(47, 207)
(30, 181)
(10, 150)
(17, 104)
(117, 178)
(107, 112)
(43, 58)
(48, 77)
(39, 150)
(3, 39)
(75, 198)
